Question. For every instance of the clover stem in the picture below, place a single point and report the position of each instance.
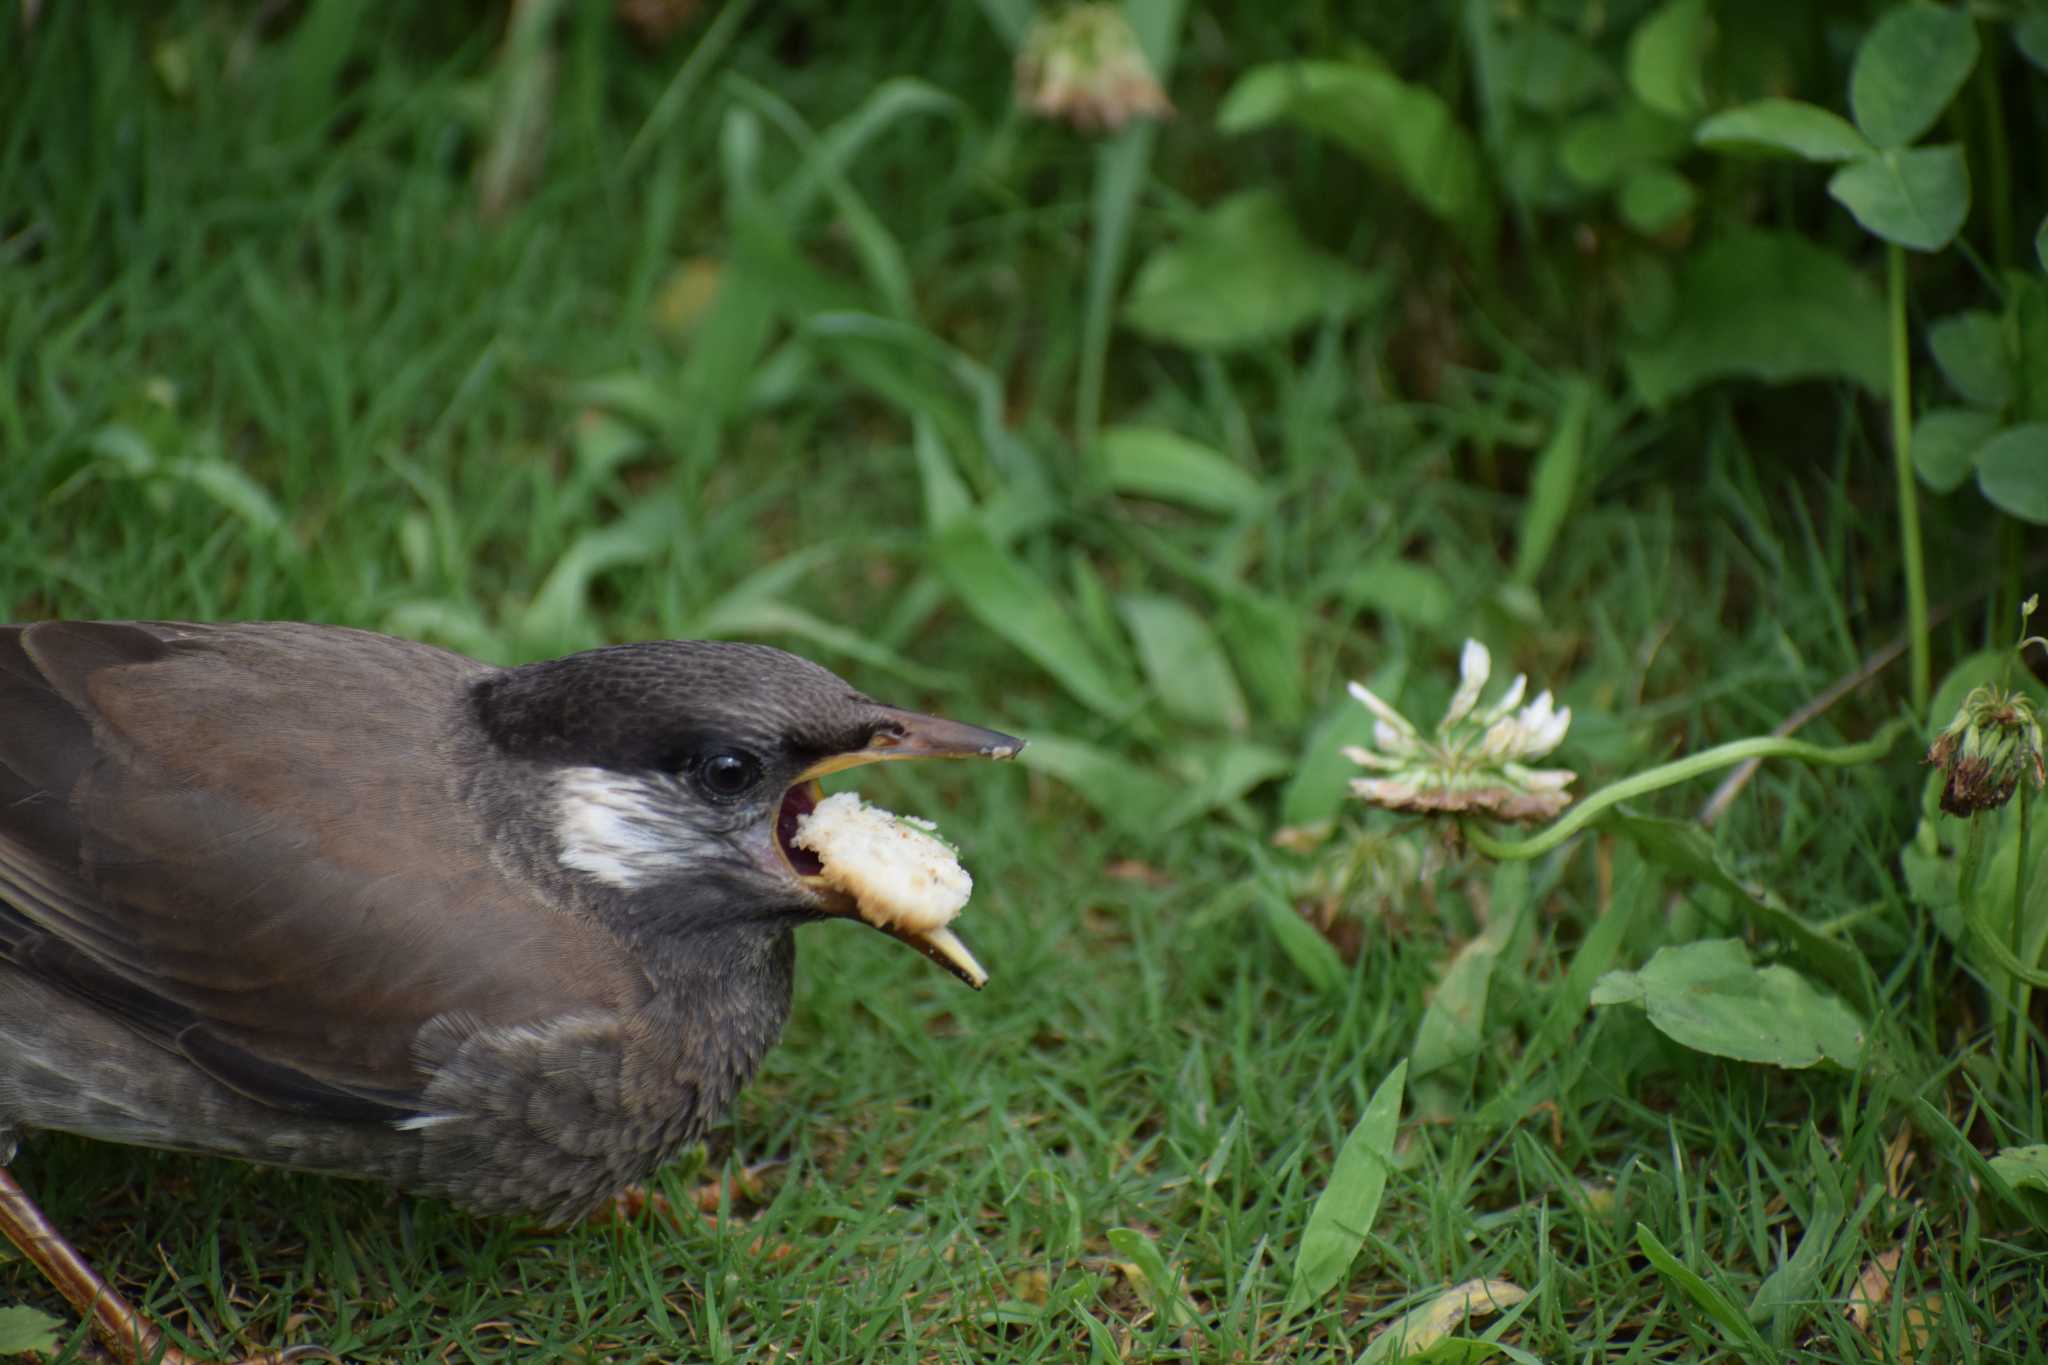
(1909, 504)
(1680, 770)
(2022, 994)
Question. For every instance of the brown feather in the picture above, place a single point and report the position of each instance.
(264, 841)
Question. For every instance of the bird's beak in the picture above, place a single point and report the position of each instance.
(906, 734)
(899, 735)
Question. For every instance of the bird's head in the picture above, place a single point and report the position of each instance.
(686, 765)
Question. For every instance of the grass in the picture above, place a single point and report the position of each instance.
(259, 357)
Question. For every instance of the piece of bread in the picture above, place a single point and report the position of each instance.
(898, 873)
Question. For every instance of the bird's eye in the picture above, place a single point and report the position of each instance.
(728, 773)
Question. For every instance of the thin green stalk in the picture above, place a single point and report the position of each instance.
(2022, 994)
(1909, 503)
(1119, 177)
(1967, 869)
(1998, 153)
(1683, 770)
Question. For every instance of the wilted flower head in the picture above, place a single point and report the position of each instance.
(1994, 741)
(1474, 761)
(1084, 65)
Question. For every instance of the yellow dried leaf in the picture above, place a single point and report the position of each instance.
(1421, 1328)
(1918, 1329)
(1898, 1160)
(1873, 1287)
(1031, 1286)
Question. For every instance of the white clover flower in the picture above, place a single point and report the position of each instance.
(1475, 761)
(1085, 66)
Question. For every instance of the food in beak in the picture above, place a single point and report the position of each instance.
(901, 878)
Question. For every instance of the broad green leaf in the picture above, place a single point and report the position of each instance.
(1601, 150)
(1704, 1296)
(1667, 54)
(1418, 1333)
(1945, 445)
(1549, 70)
(2026, 1170)
(1153, 462)
(1345, 1210)
(1769, 306)
(233, 491)
(1402, 589)
(1970, 349)
(1129, 796)
(1780, 127)
(1184, 662)
(1218, 772)
(1243, 274)
(1687, 849)
(1908, 68)
(2012, 471)
(1406, 131)
(1011, 600)
(1708, 996)
(1264, 636)
(1655, 199)
(24, 1330)
(1917, 197)
(1308, 950)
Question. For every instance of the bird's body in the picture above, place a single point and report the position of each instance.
(331, 900)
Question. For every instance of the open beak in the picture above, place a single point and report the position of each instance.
(900, 735)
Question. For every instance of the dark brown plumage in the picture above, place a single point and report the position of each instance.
(331, 900)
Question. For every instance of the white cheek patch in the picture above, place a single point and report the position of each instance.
(624, 831)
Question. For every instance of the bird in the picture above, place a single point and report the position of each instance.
(326, 899)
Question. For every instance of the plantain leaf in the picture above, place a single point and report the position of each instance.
(1242, 274)
(1010, 599)
(1406, 131)
(1709, 997)
(1184, 662)
(1344, 1211)
(1152, 462)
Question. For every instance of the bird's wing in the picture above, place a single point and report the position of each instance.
(249, 843)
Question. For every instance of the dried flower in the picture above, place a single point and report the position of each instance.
(1474, 761)
(1994, 741)
(1085, 66)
